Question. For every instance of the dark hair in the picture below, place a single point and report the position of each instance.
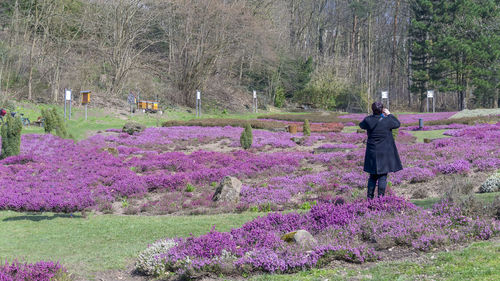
(377, 108)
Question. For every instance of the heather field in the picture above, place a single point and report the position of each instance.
(312, 184)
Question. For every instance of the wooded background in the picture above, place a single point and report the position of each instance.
(333, 54)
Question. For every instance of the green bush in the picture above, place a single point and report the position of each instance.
(246, 137)
(53, 121)
(11, 137)
(60, 124)
(190, 188)
(306, 128)
(327, 91)
(48, 120)
(279, 98)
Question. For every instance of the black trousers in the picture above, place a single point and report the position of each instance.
(372, 182)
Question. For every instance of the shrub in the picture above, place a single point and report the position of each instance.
(492, 184)
(246, 137)
(11, 137)
(279, 98)
(222, 122)
(54, 121)
(149, 262)
(306, 128)
(189, 188)
(314, 117)
(40, 271)
(458, 167)
(48, 120)
(60, 125)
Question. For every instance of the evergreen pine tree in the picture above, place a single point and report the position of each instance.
(11, 137)
(60, 126)
(420, 40)
(455, 48)
(279, 98)
(246, 138)
(48, 121)
(53, 121)
(306, 129)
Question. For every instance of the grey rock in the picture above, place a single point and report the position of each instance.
(299, 141)
(301, 237)
(304, 238)
(133, 127)
(228, 190)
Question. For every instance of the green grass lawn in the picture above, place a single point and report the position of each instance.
(99, 242)
(434, 134)
(100, 120)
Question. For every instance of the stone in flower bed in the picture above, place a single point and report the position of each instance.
(228, 190)
(344, 232)
(40, 271)
(133, 128)
(302, 237)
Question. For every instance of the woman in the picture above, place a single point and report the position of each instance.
(381, 155)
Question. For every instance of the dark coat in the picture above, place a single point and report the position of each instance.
(381, 155)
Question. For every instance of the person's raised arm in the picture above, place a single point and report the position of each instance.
(363, 125)
(395, 122)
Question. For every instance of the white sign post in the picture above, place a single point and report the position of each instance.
(430, 95)
(67, 99)
(254, 101)
(198, 103)
(385, 95)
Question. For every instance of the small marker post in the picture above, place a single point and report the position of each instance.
(198, 103)
(385, 95)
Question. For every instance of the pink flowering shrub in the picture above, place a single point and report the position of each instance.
(40, 271)
(457, 167)
(343, 231)
(53, 174)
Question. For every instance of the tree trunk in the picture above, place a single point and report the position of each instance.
(495, 99)
(30, 79)
(55, 87)
(393, 54)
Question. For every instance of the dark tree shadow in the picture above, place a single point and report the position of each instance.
(40, 217)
